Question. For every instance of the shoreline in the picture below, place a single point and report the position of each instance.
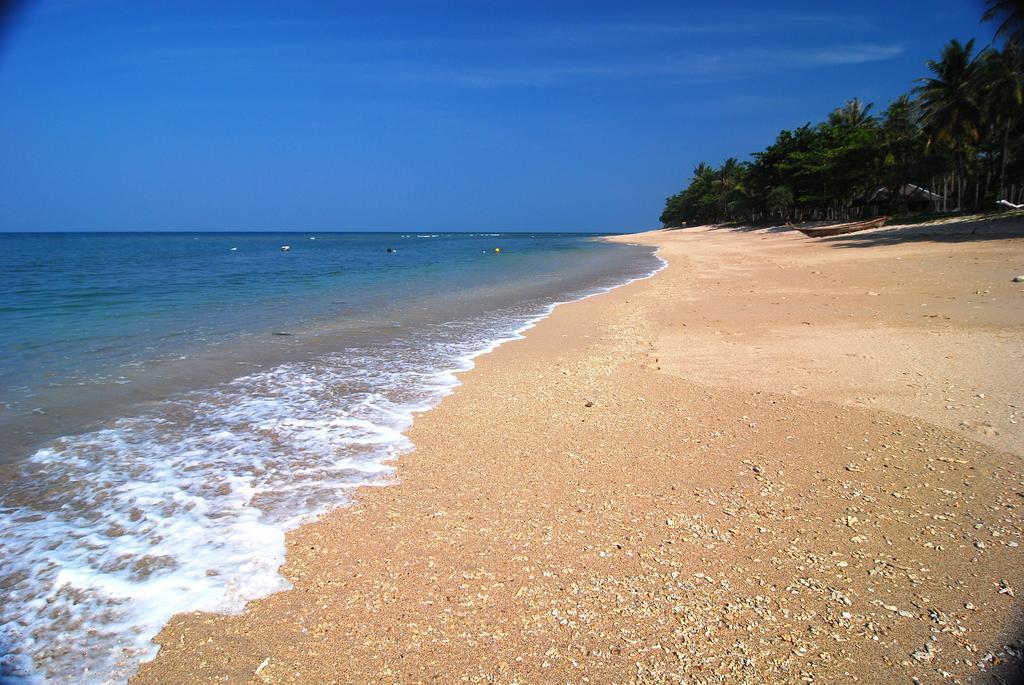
(656, 433)
(232, 556)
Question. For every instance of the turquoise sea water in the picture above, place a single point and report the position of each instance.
(171, 404)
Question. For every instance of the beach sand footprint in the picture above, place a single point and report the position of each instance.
(982, 427)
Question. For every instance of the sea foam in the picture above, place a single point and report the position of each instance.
(185, 507)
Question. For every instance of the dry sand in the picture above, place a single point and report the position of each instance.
(778, 460)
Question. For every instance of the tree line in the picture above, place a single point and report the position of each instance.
(954, 143)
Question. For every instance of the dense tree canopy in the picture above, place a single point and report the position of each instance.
(955, 143)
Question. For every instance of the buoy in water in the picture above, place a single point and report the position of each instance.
(497, 250)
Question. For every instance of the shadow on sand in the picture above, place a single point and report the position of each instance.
(968, 229)
(952, 230)
(1005, 666)
(737, 228)
(747, 228)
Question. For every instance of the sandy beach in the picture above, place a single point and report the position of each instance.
(777, 460)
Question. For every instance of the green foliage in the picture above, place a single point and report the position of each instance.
(956, 143)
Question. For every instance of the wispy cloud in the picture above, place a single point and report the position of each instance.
(503, 68)
(725, 25)
(692, 68)
(533, 34)
(541, 55)
(846, 54)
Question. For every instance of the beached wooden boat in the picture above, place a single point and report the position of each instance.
(840, 229)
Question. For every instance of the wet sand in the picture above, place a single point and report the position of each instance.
(777, 460)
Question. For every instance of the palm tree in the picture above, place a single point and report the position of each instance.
(853, 114)
(948, 102)
(1010, 15)
(1002, 98)
(703, 172)
(902, 144)
(726, 183)
(780, 201)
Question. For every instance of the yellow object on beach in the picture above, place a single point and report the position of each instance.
(497, 249)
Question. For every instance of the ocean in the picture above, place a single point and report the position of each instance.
(171, 404)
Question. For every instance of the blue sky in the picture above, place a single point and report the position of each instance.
(473, 115)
